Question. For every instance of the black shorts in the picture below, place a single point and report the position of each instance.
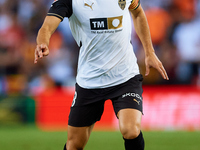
(88, 104)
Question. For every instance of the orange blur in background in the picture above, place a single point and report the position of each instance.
(165, 108)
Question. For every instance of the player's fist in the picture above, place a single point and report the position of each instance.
(41, 51)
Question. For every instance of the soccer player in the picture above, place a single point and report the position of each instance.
(107, 67)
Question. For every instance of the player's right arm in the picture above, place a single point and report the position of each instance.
(49, 26)
(59, 9)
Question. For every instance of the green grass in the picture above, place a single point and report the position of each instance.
(31, 138)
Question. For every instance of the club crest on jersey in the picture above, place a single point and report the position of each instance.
(122, 4)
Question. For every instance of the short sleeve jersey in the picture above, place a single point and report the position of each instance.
(102, 29)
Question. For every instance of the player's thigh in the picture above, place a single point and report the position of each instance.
(78, 136)
(129, 122)
(87, 107)
(130, 95)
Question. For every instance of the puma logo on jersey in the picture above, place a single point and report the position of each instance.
(85, 4)
(138, 102)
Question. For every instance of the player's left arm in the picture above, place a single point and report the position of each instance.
(143, 32)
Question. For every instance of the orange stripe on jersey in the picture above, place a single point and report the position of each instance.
(134, 4)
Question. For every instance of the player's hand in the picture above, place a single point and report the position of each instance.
(151, 60)
(41, 51)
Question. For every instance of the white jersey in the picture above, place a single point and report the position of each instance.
(102, 29)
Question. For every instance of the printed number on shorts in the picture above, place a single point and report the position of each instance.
(74, 99)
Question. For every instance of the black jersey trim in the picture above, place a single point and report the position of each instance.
(61, 9)
(56, 15)
(137, 5)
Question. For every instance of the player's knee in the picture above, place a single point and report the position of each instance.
(75, 144)
(130, 131)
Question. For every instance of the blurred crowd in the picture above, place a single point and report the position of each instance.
(175, 31)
